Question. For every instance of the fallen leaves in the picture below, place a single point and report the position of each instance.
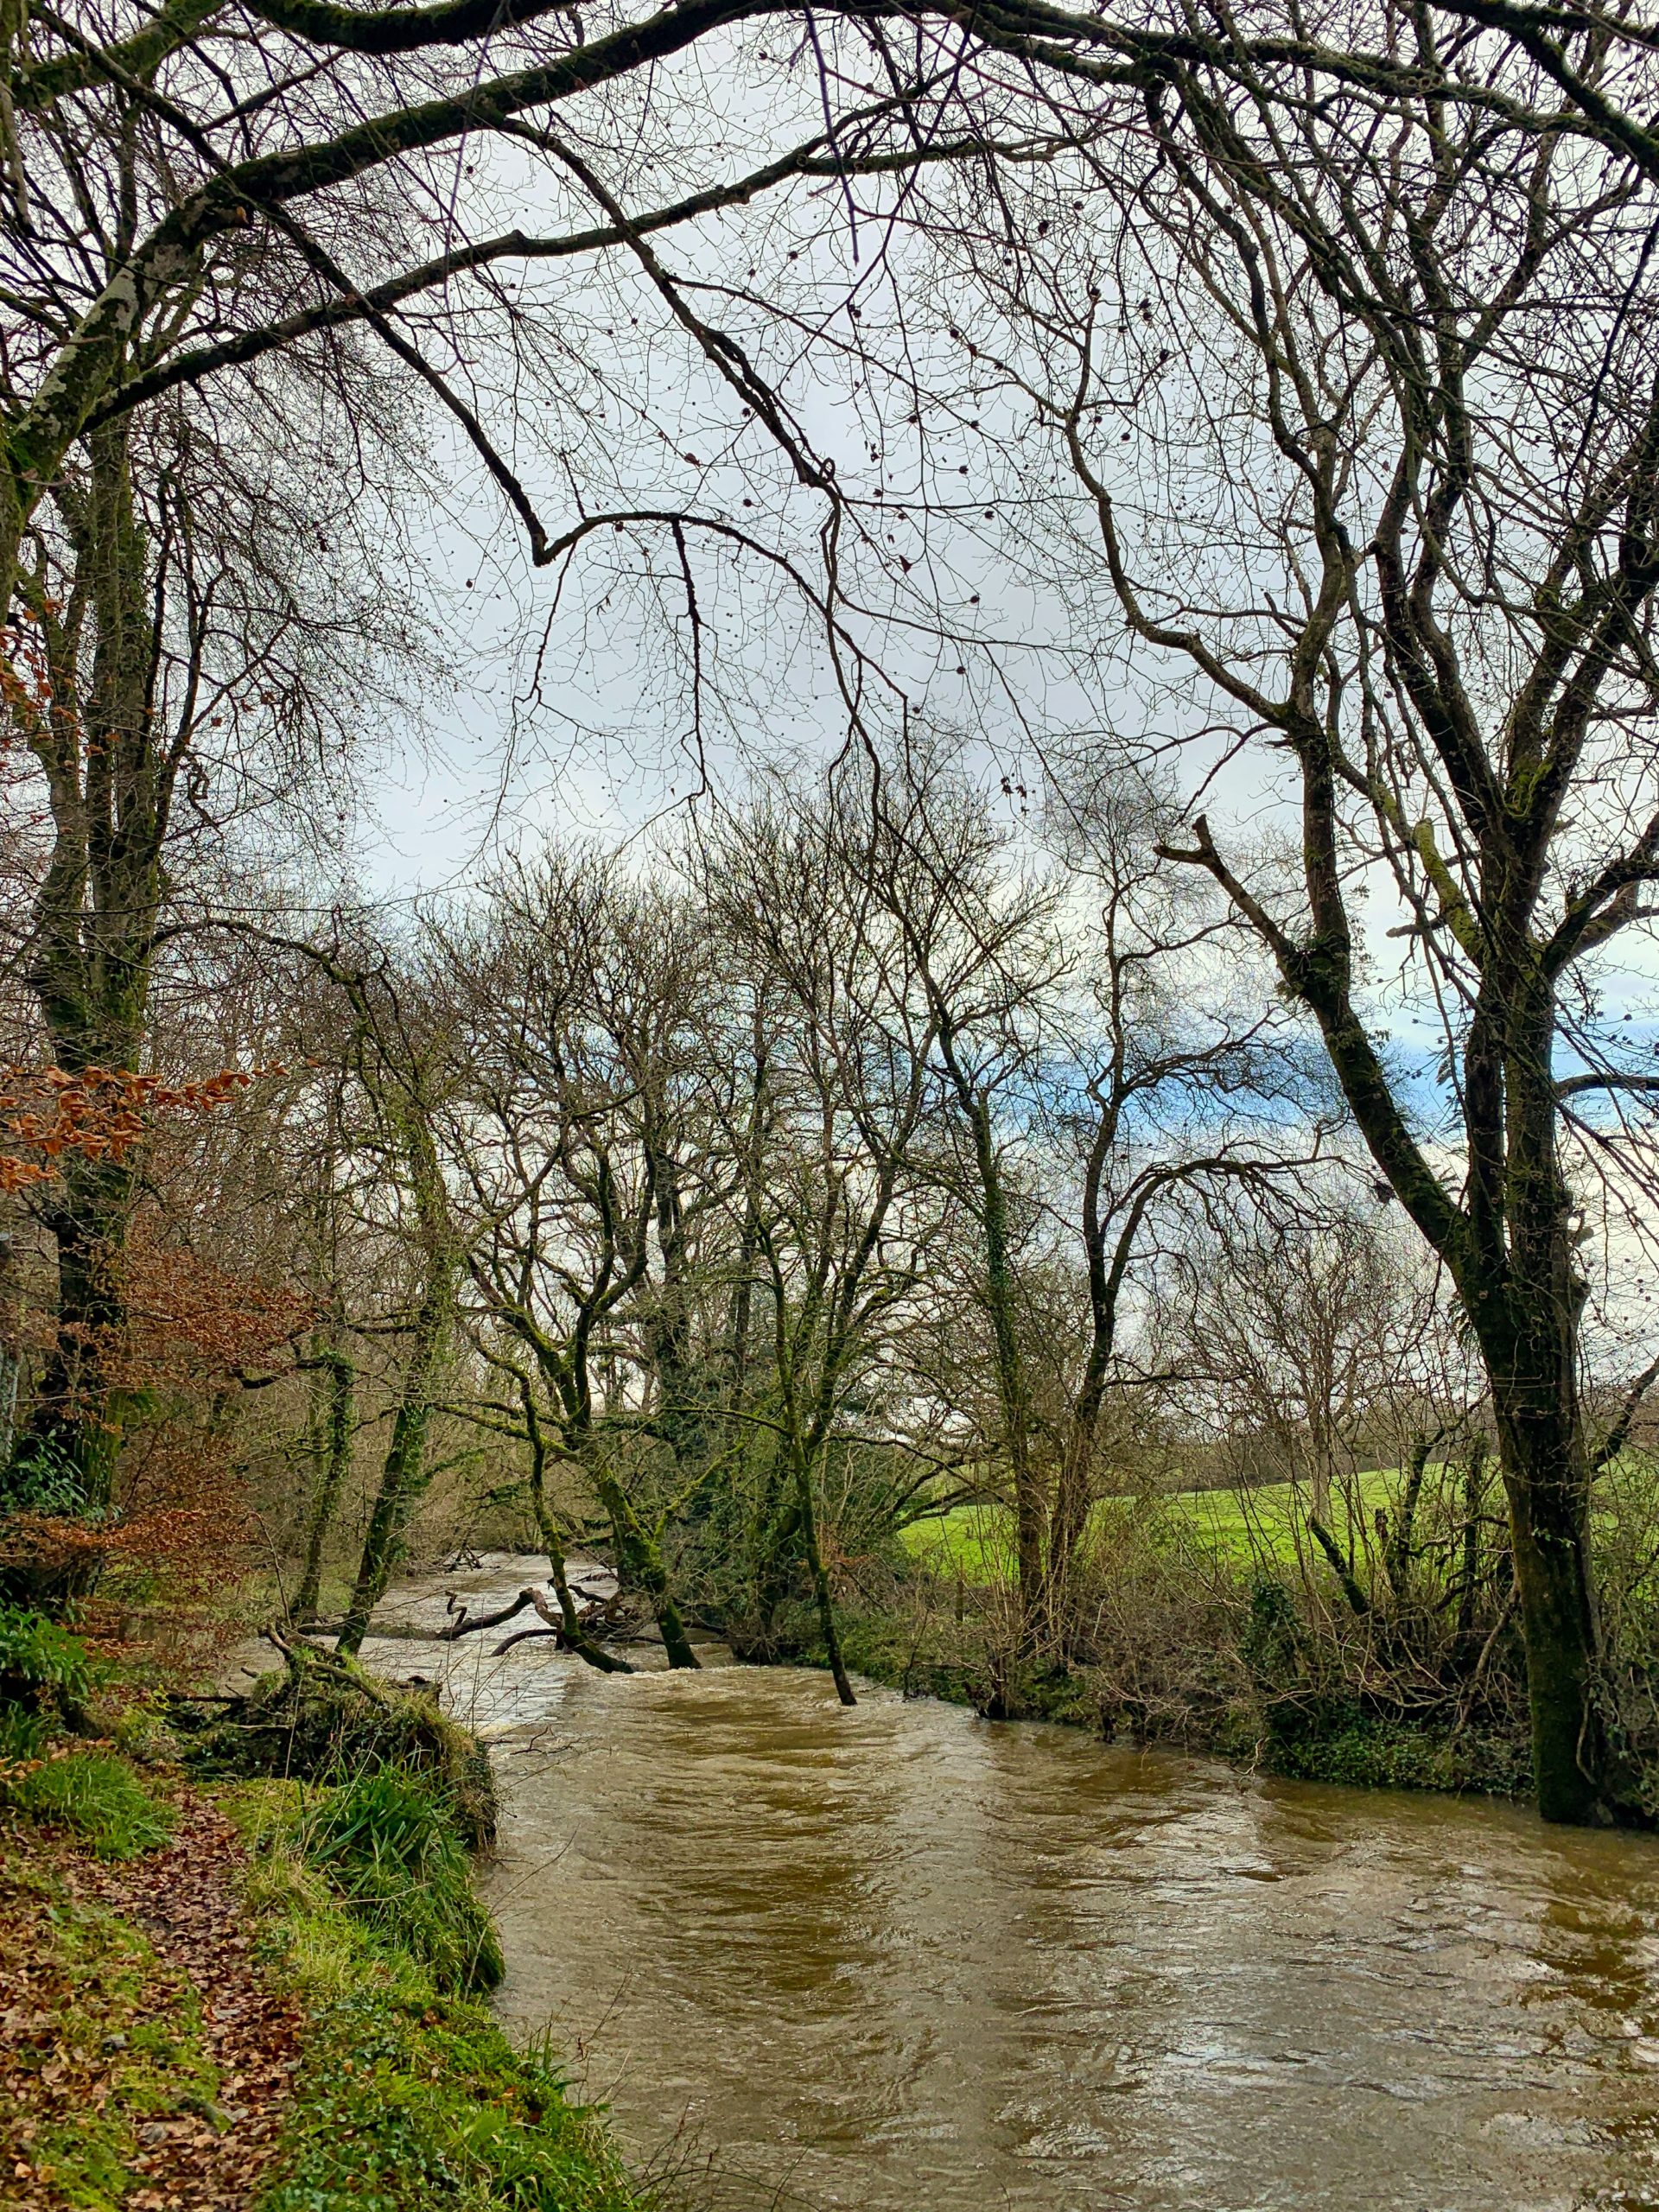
(198, 2123)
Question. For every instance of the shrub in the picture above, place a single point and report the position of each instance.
(41, 1664)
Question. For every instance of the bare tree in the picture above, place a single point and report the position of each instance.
(1332, 334)
(582, 994)
(836, 1215)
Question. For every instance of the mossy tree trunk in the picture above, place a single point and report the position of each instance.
(109, 776)
(639, 1559)
(339, 1429)
(405, 1476)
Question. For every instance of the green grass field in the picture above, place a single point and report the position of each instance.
(977, 1541)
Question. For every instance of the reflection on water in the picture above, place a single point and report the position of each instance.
(903, 1958)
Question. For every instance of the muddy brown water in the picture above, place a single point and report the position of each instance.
(902, 1960)
(906, 1960)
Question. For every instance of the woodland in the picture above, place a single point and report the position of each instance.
(1032, 1078)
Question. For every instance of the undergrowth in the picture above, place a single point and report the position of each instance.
(328, 1719)
(409, 2095)
(1240, 1671)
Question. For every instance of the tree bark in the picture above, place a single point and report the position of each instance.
(1013, 1396)
(1474, 1491)
(405, 1476)
(339, 1426)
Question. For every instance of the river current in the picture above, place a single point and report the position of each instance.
(902, 1960)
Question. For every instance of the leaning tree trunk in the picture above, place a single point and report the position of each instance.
(340, 1423)
(639, 1563)
(822, 1596)
(405, 1474)
(551, 1533)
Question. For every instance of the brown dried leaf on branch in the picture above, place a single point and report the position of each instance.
(47, 1114)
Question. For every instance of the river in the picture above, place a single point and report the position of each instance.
(902, 1960)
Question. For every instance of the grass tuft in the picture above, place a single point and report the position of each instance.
(96, 1795)
(389, 1844)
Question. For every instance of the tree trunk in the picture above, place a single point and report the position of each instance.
(405, 1476)
(1527, 1318)
(639, 1564)
(821, 1591)
(1070, 1513)
(339, 1428)
(1013, 1395)
(1398, 1549)
(64, 1459)
(773, 1555)
(109, 784)
(1474, 1491)
(1546, 1475)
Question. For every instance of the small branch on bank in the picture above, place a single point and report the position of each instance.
(1358, 1602)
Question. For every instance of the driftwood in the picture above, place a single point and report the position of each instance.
(463, 1623)
(583, 1642)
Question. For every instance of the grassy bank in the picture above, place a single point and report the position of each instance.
(407, 2093)
(260, 1991)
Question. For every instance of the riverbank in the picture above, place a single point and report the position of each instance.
(261, 1994)
(1275, 1695)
